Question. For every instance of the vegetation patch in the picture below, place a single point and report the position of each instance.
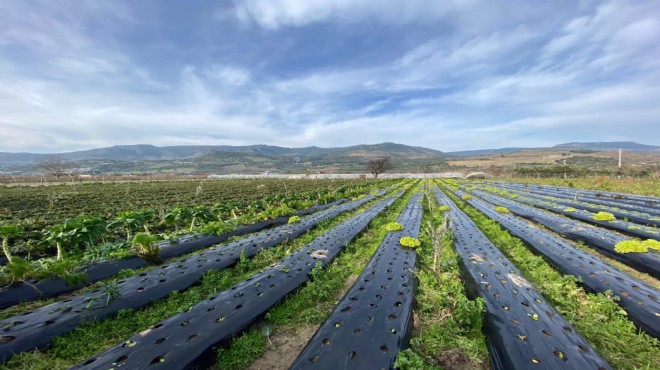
(446, 320)
(502, 210)
(444, 208)
(294, 219)
(393, 226)
(570, 209)
(636, 246)
(467, 197)
(604, 216)
(410, 242)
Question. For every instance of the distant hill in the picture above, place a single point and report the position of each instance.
(595, 146)
(614, 145)
(477, 152)
(225, 159)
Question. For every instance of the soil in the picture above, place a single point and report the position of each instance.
(456, 359)
(285, 347)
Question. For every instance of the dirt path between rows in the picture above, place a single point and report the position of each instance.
(286, 345)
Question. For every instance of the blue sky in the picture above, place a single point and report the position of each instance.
(448, 75)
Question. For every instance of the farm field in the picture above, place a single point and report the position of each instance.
(304, 274)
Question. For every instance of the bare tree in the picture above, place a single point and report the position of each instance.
(378, 166)
(56, 166)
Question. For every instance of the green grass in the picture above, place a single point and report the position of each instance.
(94, 337)
(596, 316)
(313, 303)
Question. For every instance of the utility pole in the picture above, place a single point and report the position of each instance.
(619, 158)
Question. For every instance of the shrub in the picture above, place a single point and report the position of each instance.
(393, 226)
(410, 242)
(604, 216)
(294, 219)
(502, 210)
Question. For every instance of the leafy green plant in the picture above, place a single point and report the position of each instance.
(200, 213)
(147, 247)
(444, 208)
(604, 216)
(66, 269)
(111, 291)
(393, 226)
(409, 360)
(18, 269)
(636, 246)
(132, 221)
(294, 219)
(410, 242)
(502, 210)
(467, 197)
(6, 232)
(177, 216)
(570, 209)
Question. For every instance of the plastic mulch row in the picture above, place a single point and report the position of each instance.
(38, 328)
(618, 197)
(650, 206)
(632, 216)
(624, 227)
(602, 240)
(523, 330)
(53, 287)
(372, 322)
(186, 340)
(639, 299)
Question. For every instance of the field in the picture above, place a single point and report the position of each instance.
(408, 274)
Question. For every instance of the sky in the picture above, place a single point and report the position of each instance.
(448, 75)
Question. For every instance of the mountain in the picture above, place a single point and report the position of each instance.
(478, 152)
(614, 145)
(224, 159)
(594, 146)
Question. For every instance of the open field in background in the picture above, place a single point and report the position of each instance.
(547, 156)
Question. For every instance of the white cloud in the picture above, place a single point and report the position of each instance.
(273, 14)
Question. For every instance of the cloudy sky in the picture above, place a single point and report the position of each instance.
(448, 75)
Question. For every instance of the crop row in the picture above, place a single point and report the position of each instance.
(372, 323)
(33, 289)
(639, 299)
(183, 341)
(39, 327)
(523, 329)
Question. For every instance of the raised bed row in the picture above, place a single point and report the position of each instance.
(523, 330)
(638, 298)
(649, 205)
(186, 340)
(624, 227)
(39, 327)
(641, 218)
(372, 322)
(595, 237)
(53, 287)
